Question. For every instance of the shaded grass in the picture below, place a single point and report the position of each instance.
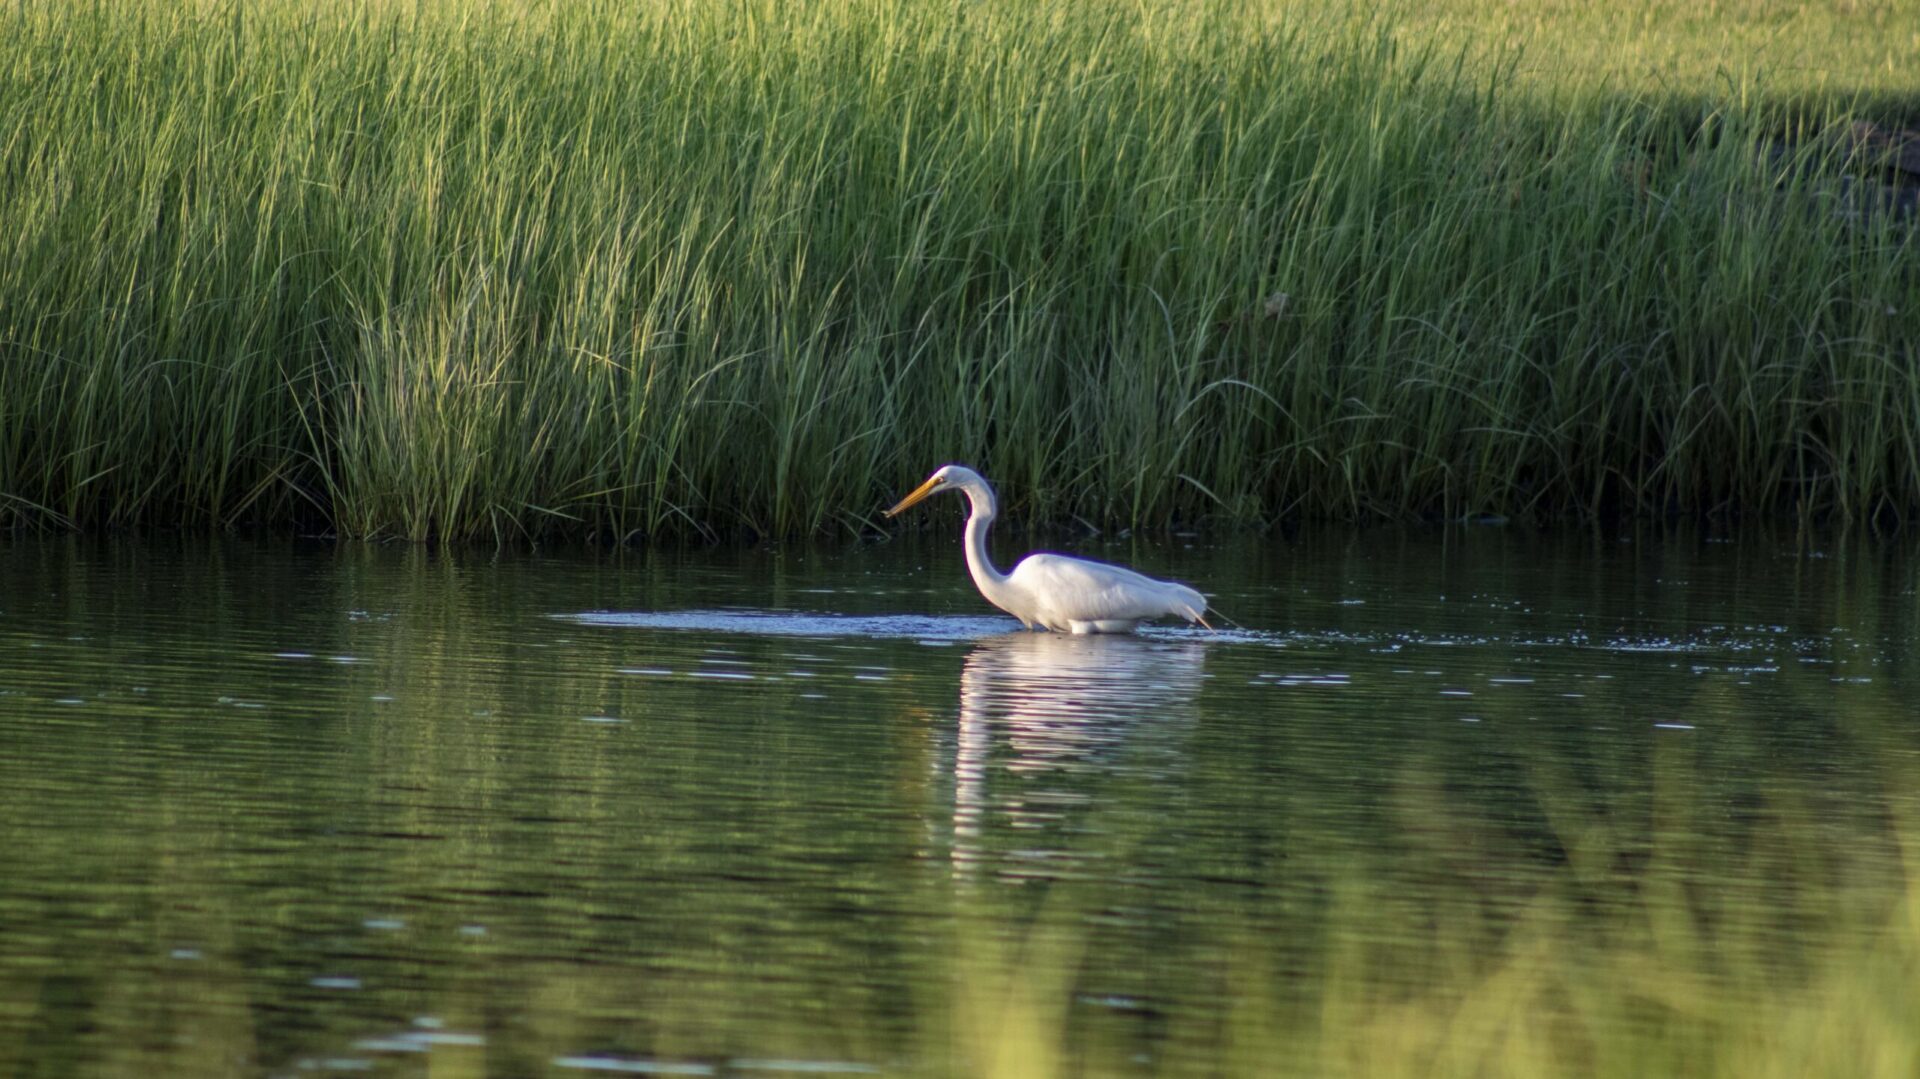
(491, 269)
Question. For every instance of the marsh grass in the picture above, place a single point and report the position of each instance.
(482, 270)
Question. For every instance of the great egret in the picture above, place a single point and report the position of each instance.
(1052, 590)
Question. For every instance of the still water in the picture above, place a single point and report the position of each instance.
(290, 807)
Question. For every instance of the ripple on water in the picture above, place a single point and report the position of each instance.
(925, 629)
(802, 623)
(633, 1066)
(935, 629)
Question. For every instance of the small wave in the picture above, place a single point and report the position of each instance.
(976, 627)
(803, 623)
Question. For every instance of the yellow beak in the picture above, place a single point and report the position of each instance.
(919, 493)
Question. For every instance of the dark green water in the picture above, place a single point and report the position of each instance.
(281, 807)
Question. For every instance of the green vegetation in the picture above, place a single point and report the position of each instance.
(486, 269)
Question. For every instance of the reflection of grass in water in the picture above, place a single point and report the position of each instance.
(1714, 905)
(1552, 997)
(1673, 951)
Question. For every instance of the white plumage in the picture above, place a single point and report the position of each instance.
(1052, 590)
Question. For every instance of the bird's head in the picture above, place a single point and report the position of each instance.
(944, 478)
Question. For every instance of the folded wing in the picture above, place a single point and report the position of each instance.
(1076, 590)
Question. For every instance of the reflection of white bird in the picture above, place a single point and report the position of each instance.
(1052, 590)
(1055, 712)
(1063, 701)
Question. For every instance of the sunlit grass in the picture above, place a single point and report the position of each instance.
(1662, 47)
(491, 269)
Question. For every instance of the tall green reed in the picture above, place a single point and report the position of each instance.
(493, 269)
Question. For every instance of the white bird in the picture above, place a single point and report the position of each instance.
(1051, 590)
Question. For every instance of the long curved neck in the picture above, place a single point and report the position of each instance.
(991, 582)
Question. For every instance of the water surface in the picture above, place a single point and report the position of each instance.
(279, 807)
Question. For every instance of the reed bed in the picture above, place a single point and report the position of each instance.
(483, 270)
